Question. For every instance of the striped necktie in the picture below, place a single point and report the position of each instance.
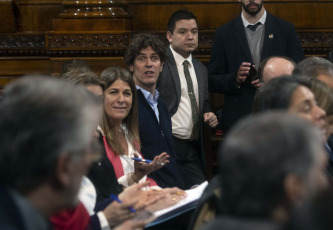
(194, 106)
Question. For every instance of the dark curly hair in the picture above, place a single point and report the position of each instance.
(142, 41)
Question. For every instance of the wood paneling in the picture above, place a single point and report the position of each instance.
(37, 16)
(305, 14)
(12, 68)
(104, 37)
(7, 17)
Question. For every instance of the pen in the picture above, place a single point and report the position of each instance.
(145, 160)
(114, 197)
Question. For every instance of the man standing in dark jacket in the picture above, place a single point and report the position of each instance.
(247, 40)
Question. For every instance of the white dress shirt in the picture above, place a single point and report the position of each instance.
(182, 120)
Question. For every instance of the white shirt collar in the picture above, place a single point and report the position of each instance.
(262, 19)
(179, 58)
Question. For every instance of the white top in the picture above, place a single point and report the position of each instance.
(182, 120)
(87, 195)
(128, 163)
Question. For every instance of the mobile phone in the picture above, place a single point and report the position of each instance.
(253, 74)
(146, 216)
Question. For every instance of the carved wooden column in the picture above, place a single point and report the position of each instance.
(93, 15)
(96, 30)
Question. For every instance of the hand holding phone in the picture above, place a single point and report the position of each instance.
(253, 74)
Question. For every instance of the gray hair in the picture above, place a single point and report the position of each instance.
(256, 157)
(313, 66)
(42, 118)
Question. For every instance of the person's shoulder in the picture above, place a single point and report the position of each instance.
(229, 24)
(10, 216)
(195, 61)
(199, 66)
(279, 21)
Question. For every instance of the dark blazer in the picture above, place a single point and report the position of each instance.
(10, 216)
(231, 223)
(168, 85)
(103, 176)
(156, 137)
(230, 49)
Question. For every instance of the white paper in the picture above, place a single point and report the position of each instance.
(192, 195)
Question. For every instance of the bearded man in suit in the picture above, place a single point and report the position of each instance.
(247, 40)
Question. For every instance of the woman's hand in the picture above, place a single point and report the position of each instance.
(116, 213)
(136, 193)
(165, 198)
(159, 161)
(132, 197)
(132, 225)
(142, 169)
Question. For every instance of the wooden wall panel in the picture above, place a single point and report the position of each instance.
(12, 68)
(36, 37)
(37, 16)
(20, 66)
(7, 17)
(303, 14)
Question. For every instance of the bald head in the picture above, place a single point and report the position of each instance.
(276, 67)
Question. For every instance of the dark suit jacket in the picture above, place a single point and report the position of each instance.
(156, 137)
(230, 49)
(10, 216)
(231, 223)
(103, 176)
(168, 85)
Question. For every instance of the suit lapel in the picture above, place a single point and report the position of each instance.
(269, 37)
(171, 64)
(201, 83)
(104, 161)
(144, 102)
(240, 36)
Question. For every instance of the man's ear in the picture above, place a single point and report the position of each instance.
(169, 36)
(131, 68)
(294, 189)
(162, 64)
(64, 170)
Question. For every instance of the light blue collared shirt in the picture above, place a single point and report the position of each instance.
(152, 100)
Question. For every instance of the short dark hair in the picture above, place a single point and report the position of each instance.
(313, 66)
(277, 93)
(42, 118)
(256, 157)
(142, 41)
(177, 16)
(262, 64)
